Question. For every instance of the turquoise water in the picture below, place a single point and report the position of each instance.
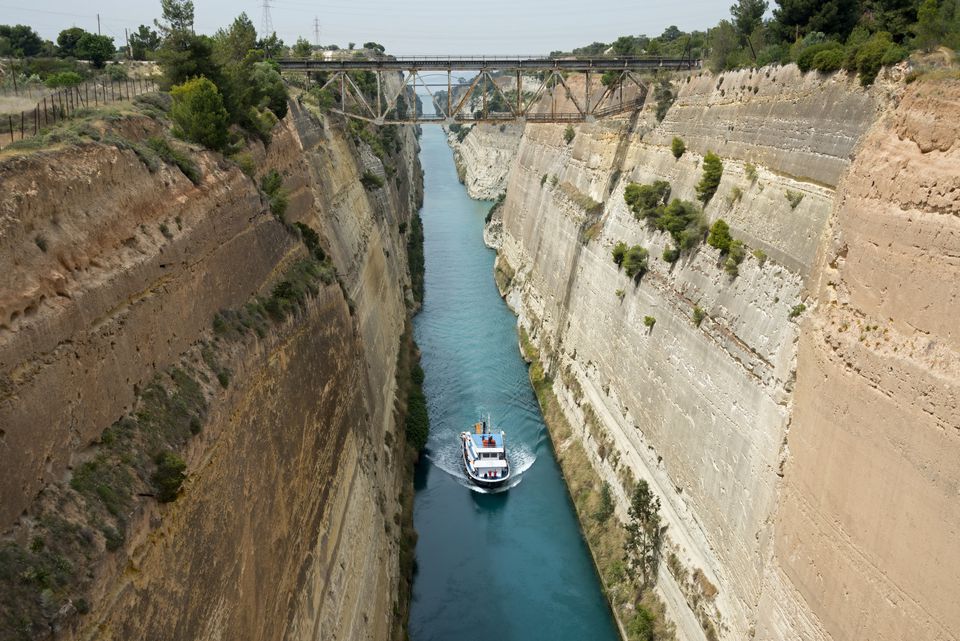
(504, 566)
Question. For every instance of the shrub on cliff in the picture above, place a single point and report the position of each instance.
(619, 251)
(829, 61)
(720, 236)
(805, 59)
(664, 96)
(169, 476)
(677, 146)
(417, 423)
(712, 172)
(371, 181)
(646, 201)
(172, 156)
(568, 134)
(605, 506)
(198, 113)
(685, 223)
(878, 51)
(635, 261)
(735, 256)
(272, 186)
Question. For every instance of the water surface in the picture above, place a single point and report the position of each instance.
(504, 566)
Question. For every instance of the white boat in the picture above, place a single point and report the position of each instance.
(485, 456)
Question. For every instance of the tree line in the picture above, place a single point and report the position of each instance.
(859, 35)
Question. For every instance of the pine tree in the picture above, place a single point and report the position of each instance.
(642, 547)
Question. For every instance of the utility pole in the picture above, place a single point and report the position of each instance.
(316, 31)
(98, 24)
(266, 22)
(126, 37)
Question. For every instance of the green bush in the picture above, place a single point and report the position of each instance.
(671, 254)
(635, 262)
(734, 257)
(272, 186)
(720, 236)
(664, 96)
(646, 201)
(712, 172)
(797, 310)
(117, 72)
(751, 171)
(417, 423)
(794, 198)
(829, 61)
(698, 315)
(169, 476)
(63, 79)
(677, 147)
(641, 626)
(312, 240)
(371, 181)
(619, 251)
(760, 255)
(684, 221)
(568, 134)
(605, 507)
(805, 60)
(198, 113)
(649, 321)
(879, 50)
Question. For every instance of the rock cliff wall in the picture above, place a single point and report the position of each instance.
(709, 405)
(288, 523)
(484, 157)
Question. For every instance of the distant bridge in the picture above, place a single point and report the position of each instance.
(500, 81)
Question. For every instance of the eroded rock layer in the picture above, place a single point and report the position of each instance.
(288, 523)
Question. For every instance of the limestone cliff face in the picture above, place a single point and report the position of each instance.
(867, 525)
(484, 158)
(285, 527)
(707, 412)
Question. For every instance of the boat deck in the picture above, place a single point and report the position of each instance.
(488, 442)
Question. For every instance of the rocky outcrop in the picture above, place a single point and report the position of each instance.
(484, 157)
(286, 526)
(705, 400)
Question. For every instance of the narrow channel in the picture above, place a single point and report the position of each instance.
(510, 565)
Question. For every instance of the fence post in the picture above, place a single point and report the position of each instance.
(10, 122)
(86, 90)
(44, 111)
(112, 97)
(36, 120)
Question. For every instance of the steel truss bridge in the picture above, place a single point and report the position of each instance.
(503, 89)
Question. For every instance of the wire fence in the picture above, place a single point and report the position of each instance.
(64, 103)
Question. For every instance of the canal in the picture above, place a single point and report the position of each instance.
(504, 566)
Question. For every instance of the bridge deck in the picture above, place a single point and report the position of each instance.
(476, 63)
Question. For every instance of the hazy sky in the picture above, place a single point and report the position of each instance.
(425, 26)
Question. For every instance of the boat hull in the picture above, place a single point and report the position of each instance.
(479, 481)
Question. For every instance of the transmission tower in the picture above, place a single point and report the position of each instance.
(266, 22)
(316, 31)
